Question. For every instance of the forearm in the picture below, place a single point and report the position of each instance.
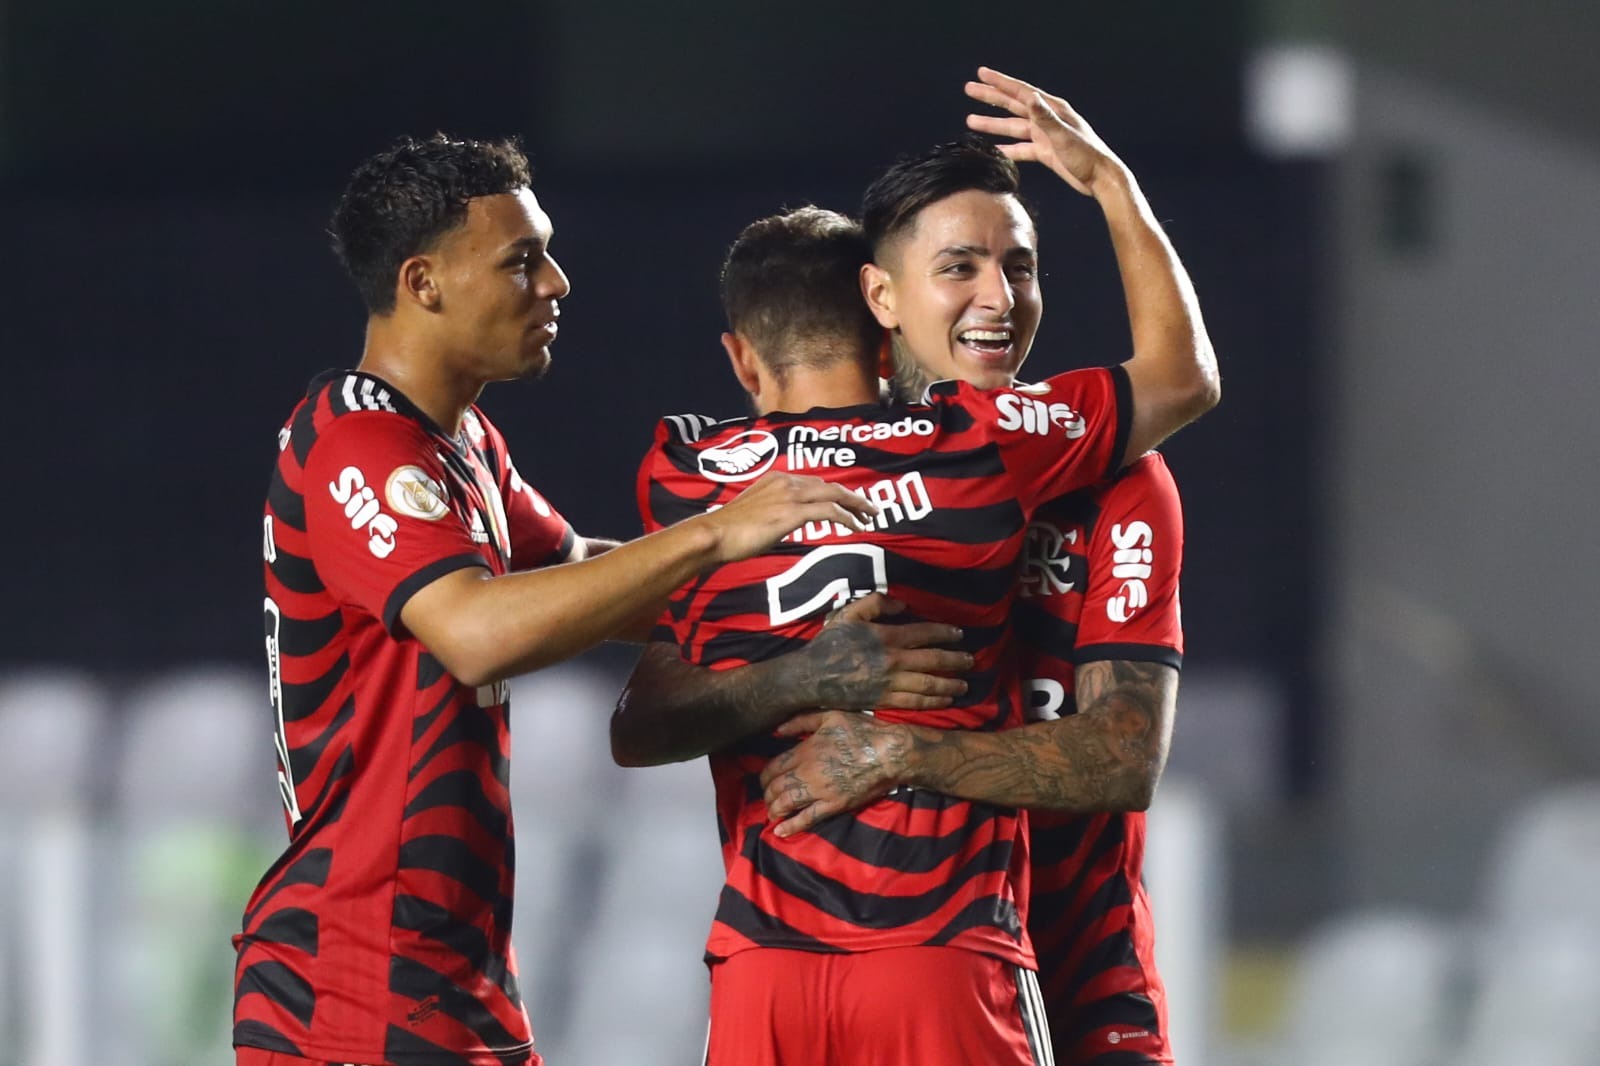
(1173, 368)
(1107, 757)
(1070, 764)
(486, 629)
(672, 711)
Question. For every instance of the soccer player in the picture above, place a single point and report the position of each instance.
(1098, 625)
(410, 573)
(1092, 929)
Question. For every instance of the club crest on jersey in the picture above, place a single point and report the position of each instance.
(745, 457)
(1046, 561)
(412, 492)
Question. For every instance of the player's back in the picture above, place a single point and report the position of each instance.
(956, 481)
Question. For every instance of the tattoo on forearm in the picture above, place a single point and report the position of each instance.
(1108, 756)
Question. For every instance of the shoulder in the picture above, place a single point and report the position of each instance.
(355, 414)
(685, 429)
(1147, 478)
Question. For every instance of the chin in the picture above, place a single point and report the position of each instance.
(537, 366)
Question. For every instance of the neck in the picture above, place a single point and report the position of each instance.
(847, 384)
(910, 380)
(413, 365)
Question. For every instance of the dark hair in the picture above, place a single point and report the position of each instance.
(891, 203)
(400, 201)
(791, 285)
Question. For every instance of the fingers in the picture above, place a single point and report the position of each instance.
(805, 819)
(1016, 128)
(932, 661)
(799, 725)
(1022, 92)
(786, 795)
(1017, 105)
(918, 635)
(858, 510)
(1005, 82)
(1021, 152)
(868, 608)
(916, 683)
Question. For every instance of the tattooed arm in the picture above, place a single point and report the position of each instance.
(1107, 757)
(671, 710)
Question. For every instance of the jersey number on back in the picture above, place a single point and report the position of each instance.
(824, 579)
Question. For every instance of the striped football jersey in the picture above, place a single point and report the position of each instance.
(956, 480)
(1099, 582)
(383, 933)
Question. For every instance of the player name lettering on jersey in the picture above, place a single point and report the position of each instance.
(1131, 565)
(899, 499)
(361, 507)
(1019, 412)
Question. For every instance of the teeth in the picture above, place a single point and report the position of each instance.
(986, 335)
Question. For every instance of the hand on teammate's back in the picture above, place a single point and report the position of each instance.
(776, 506)
(865, 664)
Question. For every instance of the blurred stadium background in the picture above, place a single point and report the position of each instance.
(1379, 838)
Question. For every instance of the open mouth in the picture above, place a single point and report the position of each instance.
(990, 343)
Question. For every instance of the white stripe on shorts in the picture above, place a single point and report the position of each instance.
(1031, 1004)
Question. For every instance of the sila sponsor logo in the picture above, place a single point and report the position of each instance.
(810, 447)
(361, 507)
(1130, 564)
(1035, 416)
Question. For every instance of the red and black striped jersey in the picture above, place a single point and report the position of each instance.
(383, 932)
(956, 480)
(1099, 582)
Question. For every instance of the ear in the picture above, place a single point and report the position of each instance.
(416, 284)
(742, 355)
(877, 288)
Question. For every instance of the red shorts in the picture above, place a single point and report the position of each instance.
(921, 1006)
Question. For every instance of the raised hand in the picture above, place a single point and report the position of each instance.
(1044, 129)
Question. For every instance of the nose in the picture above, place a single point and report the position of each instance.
(994, 289)
(553, 283)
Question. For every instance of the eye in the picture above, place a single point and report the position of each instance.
(1024, 271)
(958, 270)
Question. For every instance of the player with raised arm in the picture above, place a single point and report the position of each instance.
(1098, 625)
(920, 889)
(410, 572)
(1092, 923)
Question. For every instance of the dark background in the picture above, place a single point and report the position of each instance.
(167, 171)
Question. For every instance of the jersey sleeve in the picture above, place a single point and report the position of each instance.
(540, 536)
(653, 498)
(1135, 555)
(371, 552)
(538, 533)
(1066, 433)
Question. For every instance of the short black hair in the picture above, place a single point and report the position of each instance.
(891, 203)
(791, 284)
(400, 201)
